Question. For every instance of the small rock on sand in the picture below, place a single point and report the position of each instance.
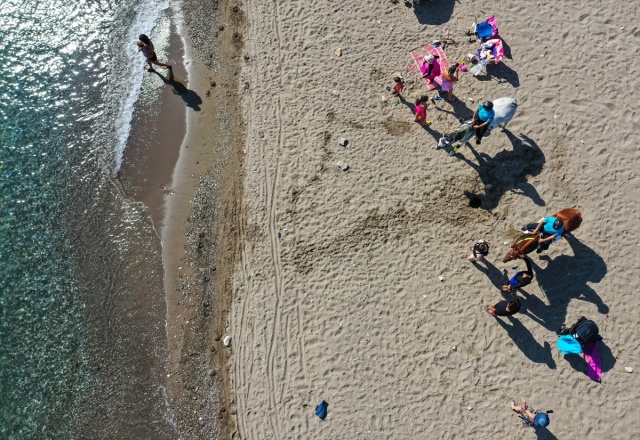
(227, 341)
(629, 369)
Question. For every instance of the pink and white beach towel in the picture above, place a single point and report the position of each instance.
(418, 54)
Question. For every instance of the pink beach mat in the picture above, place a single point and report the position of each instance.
(418, 54)
(591, 353)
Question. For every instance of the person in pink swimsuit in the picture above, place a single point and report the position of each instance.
(449, 78)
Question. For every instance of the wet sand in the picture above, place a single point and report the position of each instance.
(191, 182)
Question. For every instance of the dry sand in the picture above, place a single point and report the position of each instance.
(347, 306)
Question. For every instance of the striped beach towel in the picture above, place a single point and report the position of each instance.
(418, 54)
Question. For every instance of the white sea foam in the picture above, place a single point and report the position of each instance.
(147, 18)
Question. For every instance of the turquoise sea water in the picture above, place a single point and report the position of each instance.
(81, 343)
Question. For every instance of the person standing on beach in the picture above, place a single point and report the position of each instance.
(421, 111)
(520, 279)
(482, 117)
(146, 47)
(449, 78)
(397, 86)
(479, 251)
(505, 308)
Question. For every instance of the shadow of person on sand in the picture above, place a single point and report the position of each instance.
(565, 278)
(436, 134)
(493, 273)
(524, 340)
(579, 364)
(501, 73)
(544, 433)
(507, 171)
(190, 97)
(460, 109)
(434, 12)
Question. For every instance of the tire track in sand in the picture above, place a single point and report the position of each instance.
(271, 187)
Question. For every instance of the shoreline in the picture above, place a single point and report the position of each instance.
(199, 238)
(183, 161)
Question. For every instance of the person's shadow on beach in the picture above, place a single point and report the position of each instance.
(524, 340)
(436, 134)
(493, 273)
(543, 433)
(434, 12)
(565, 278)
(460, 109)
(190, 97)
(501, 73)
(507, 171)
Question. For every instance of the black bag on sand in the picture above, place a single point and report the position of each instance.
(584, 330)
(587, 331)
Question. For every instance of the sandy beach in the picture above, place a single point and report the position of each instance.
(337, 295)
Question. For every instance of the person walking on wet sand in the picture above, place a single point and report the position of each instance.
(530, 416)
(146, 47)
(520, 279)
(505, 308)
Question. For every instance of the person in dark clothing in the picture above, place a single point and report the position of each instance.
(520, 279)
(505, 308)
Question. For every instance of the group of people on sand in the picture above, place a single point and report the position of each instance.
(483, 115)
(431, 69)
(550, 229)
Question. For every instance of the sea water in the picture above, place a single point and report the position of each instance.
(82, 312)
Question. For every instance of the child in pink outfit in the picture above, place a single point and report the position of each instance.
(421, 111)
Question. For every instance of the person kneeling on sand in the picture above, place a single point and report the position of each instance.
(505, 308)
(531, 416)
(520, 279)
